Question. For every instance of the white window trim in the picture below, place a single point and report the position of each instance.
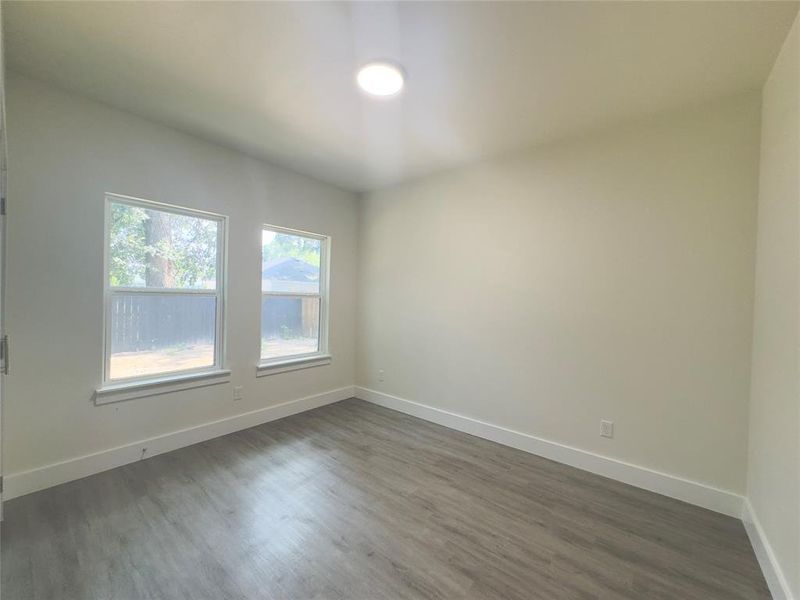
(293, 362)
(113, 390)
(117, 392)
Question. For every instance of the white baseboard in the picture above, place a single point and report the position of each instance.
(693, 492)
(776, 580)
(25, 482)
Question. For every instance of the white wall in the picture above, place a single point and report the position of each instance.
(604, 277)
(65, 153)
(773, 484)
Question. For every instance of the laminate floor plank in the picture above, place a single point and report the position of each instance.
(355, 501)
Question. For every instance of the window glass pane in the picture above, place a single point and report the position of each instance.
(290, 263)
(289, 325)
(157, 249)
(159, 333)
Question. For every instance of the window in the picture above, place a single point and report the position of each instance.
(294, 301)
(163, 291)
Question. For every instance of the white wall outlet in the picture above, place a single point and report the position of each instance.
(237, 393)
(380, 375)
(607, 429)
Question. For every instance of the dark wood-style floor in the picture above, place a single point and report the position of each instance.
(356, 501)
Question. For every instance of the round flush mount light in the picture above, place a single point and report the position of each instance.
(380, 79)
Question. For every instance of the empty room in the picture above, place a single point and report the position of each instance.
(401, 300)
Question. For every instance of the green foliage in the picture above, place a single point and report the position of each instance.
(146, 245)
(128, 246)
(284, 245)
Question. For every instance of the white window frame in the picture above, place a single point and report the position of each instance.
(322, 356)
(185, 378)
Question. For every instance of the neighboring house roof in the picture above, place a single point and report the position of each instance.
(289, 275)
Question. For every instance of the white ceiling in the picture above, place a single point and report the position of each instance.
(277, 79)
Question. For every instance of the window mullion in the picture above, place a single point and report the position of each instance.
(164, 291)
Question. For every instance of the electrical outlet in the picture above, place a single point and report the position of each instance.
(607, 429)
(237, 393)
(380, 375)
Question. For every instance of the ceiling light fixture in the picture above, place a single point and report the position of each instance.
(380, 79)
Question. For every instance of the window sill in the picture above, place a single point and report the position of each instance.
(117, 392)
(292, 364)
